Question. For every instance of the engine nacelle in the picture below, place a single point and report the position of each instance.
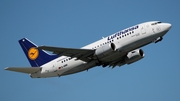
(105, 50)
(134, 56)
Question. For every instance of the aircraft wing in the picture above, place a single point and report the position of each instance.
(27, 70)
(82, 54)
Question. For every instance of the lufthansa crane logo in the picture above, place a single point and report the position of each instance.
(33, 53)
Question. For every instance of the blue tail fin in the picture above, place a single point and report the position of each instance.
(36, 57)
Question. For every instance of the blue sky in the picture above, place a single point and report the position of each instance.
(76, 23)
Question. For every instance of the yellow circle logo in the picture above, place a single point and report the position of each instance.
(33, 53)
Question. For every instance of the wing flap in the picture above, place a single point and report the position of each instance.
(82, 54)
(27, 70)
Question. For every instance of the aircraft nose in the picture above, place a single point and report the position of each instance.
(167, 26)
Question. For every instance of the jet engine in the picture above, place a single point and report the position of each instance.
(134, 56)
(105, 50)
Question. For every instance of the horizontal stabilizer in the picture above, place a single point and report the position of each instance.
(27, 70)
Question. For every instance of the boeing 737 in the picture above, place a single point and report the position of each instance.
(120, 48)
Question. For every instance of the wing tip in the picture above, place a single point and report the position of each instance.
(6, 68)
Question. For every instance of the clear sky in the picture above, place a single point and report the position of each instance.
(76, 23)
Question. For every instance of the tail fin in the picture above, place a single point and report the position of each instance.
(36, 57)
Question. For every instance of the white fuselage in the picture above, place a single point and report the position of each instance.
(125, 41)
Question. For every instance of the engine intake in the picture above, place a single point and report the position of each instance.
(134, 56)
(105, 50)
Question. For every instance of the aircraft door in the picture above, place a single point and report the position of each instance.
(156, 29)
(143, 29)
(54, 67)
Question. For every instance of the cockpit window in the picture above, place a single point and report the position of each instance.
(156, 23)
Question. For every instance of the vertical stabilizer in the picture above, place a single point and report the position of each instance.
(36, 57)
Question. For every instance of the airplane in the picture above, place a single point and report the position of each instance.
(120, 48)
